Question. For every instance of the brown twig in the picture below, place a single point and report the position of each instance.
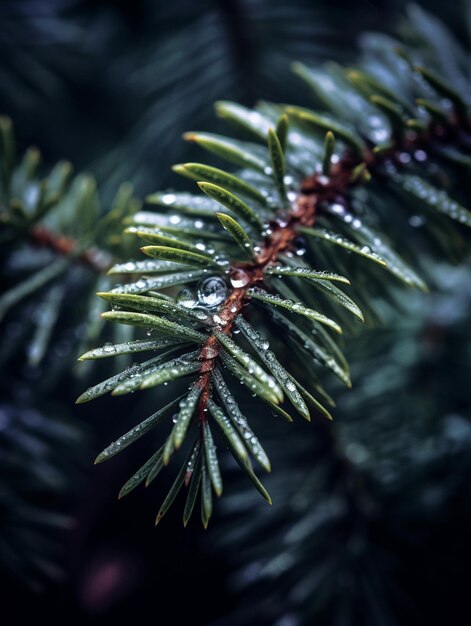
(283, 234)
(94, 258)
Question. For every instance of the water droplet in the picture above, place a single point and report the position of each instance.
(420, 155)
(201, 315)
(175, 219)
(221, 261)
(108, 347)
(379, 136)
(337, 208)
(187, 298)
(169, 198)
(212, 291)
(404, 157)
(209, 352)
(417, 220)
(239, 278)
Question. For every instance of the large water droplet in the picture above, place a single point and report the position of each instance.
(212, 291)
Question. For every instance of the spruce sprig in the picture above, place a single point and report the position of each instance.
(322, 198)
(57, 244)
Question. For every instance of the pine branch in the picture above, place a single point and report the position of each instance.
(55, 238)
(321, 198)
(310, 174)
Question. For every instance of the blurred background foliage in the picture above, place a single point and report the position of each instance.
(111, 86)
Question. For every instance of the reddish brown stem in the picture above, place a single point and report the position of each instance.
(62, 244)
(280, 239)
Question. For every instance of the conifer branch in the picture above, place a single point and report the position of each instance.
(56, 224)
(315, 192)
(320, 198)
